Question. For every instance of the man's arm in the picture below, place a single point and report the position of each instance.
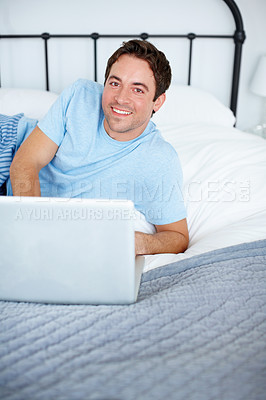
(169, 238)
(36, 152)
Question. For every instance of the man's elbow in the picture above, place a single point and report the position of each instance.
(182, 243)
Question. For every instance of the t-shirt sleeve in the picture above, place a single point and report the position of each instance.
(54, 122)
(162, 196)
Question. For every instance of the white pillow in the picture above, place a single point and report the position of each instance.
(187, 105)
(33, 103)
(224, 177)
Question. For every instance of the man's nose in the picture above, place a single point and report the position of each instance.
(122, 96)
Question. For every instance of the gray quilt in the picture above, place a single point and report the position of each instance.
(197, 331)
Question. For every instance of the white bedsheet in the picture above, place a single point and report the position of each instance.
(224, 187)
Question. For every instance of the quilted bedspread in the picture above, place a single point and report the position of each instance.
(197, 332)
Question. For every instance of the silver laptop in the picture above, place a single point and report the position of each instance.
(68, 251)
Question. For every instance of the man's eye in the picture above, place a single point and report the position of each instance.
(114, 83)
(138, 90)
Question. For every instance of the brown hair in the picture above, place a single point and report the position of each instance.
(155, 58)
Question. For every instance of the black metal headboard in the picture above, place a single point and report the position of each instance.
(238, 37)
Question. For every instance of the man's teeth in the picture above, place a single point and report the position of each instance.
(121, 112)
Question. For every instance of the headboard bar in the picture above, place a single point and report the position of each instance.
(238, 37)
(236, 14)
(95, 36)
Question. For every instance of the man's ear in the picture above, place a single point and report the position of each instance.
(159, 102)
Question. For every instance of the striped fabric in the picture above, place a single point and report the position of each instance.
(8, 140)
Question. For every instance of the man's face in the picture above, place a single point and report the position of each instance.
(128, 98)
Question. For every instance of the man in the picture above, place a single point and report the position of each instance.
(99, 142)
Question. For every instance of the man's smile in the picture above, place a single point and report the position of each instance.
(121, 112)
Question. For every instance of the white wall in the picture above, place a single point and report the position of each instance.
(21, 65)
(254, 17)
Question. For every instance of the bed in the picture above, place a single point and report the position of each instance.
(198, 328)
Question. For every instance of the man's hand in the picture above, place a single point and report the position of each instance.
(36, 152)
(169, 238)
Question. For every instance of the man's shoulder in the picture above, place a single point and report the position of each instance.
(81, 89)
(88, 85)
(86, 92)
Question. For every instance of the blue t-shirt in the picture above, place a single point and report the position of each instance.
(90, 164)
